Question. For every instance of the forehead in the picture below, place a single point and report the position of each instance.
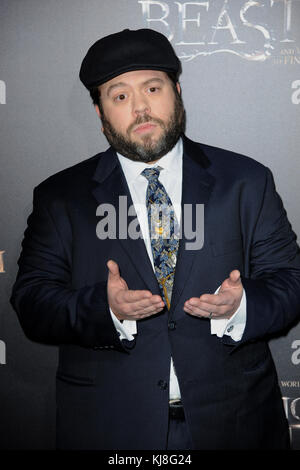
(134, 77)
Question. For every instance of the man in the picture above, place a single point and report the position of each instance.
(162, 339)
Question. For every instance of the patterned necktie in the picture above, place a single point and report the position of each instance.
(164, 232)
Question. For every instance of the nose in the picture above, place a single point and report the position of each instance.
(140, 105)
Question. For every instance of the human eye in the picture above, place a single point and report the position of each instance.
(120, 97)
(153, 89)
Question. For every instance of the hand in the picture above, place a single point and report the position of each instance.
(221, 305)
(129, 304)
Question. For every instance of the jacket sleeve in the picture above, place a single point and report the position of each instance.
(273, 284)
(50, 311)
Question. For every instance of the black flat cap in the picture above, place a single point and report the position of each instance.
(143, 49)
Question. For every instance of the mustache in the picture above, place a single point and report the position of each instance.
(144, 119)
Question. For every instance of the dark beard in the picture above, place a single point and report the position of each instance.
(148, 151)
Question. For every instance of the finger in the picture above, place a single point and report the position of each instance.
(212, 300)
(222, 298)
(148, 311)
(132, 296)
(201, 306)
(211, 303)
(208, 311)
(133, 312)
(234, 278)
(196, 312)
(148, 303)
(113, 269)
(215, 309)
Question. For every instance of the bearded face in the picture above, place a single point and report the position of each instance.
(142, 114)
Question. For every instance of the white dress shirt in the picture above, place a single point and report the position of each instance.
(171, 177)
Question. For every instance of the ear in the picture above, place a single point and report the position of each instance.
(98, 110)
(178, 88)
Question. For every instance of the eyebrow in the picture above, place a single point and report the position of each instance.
(115, 85)
(123, 84)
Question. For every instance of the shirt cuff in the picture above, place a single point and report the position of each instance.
(125, 329)
(233, 326)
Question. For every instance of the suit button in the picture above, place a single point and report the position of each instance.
(172, 325)
(162, 384)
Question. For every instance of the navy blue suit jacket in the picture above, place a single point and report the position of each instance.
(113, 395)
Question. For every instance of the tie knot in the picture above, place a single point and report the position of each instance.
(151, 174)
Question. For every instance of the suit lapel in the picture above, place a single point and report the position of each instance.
(110, 184)
(197, 185)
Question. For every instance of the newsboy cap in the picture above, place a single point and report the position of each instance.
(142, 49)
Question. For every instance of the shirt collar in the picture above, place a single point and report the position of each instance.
(171, 162)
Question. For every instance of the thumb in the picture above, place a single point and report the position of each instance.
(234, 278)
(113, 270)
